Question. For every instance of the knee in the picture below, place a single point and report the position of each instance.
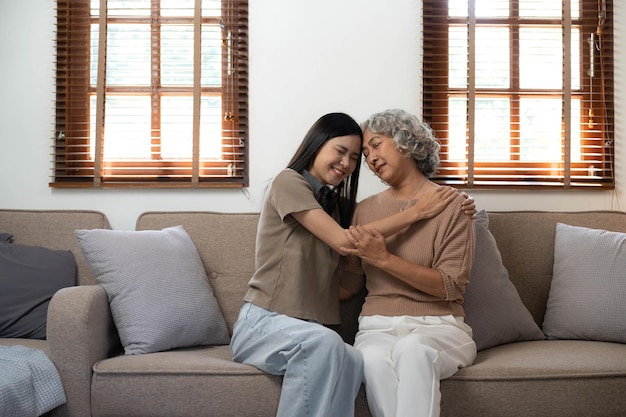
(327, 342)
(416, 346)
(332, 346)
(376, 360)
(375, 347)
(373, 353)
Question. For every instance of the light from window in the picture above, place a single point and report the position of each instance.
(509, 107)
(162, 98)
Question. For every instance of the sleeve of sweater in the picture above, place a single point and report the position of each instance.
(454, 254)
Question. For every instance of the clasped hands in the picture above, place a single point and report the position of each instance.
(367, 243)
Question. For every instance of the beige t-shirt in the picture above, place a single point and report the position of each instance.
(294, 269)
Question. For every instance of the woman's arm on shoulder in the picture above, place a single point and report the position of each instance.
(325, 228)
(431, 204)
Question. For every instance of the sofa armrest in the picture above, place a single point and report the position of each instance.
(80, 332)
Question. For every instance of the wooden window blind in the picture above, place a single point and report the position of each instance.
(520, 92)
(151, 93)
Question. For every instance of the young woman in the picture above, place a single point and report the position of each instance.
(293, 291)
(411, 328)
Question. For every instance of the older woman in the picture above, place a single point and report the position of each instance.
(411, 327)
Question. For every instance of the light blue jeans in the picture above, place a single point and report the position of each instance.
(322, 374)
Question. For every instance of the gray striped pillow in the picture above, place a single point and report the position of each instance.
(158, 290)
(493, 307)
(587, 297)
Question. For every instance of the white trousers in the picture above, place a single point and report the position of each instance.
(406, 357)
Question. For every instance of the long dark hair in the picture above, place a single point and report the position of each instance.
(327, 127)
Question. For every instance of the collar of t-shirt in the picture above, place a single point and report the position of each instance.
(326, 196)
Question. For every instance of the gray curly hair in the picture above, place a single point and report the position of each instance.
(411, 137)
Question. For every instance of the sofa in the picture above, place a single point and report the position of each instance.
(51, 229)
(524, 373)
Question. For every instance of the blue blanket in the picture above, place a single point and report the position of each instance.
(30, 384)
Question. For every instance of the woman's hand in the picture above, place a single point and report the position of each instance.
(468, 205)
(431, 203)
(368, 244)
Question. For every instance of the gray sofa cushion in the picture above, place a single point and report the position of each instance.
(157, 288)
(29, 277)
(493, 307)
(54, 229)
(588, 291)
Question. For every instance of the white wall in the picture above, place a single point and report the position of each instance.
(353, 56)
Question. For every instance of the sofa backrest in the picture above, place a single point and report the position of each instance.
(226, 244)
(526, 242)
(54, 229)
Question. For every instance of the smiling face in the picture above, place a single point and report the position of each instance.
(336, 159)
(383, 158)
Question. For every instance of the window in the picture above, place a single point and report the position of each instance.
(510, 108)
(151, 93)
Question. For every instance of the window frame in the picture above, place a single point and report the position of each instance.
(74, 166)
(515, 173)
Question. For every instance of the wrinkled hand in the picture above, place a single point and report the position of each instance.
(433, 202)
(368, 245)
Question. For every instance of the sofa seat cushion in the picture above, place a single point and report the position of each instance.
(31, 343)
(182, 382)
(545, 378)
(547, 359)
(199, 360)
